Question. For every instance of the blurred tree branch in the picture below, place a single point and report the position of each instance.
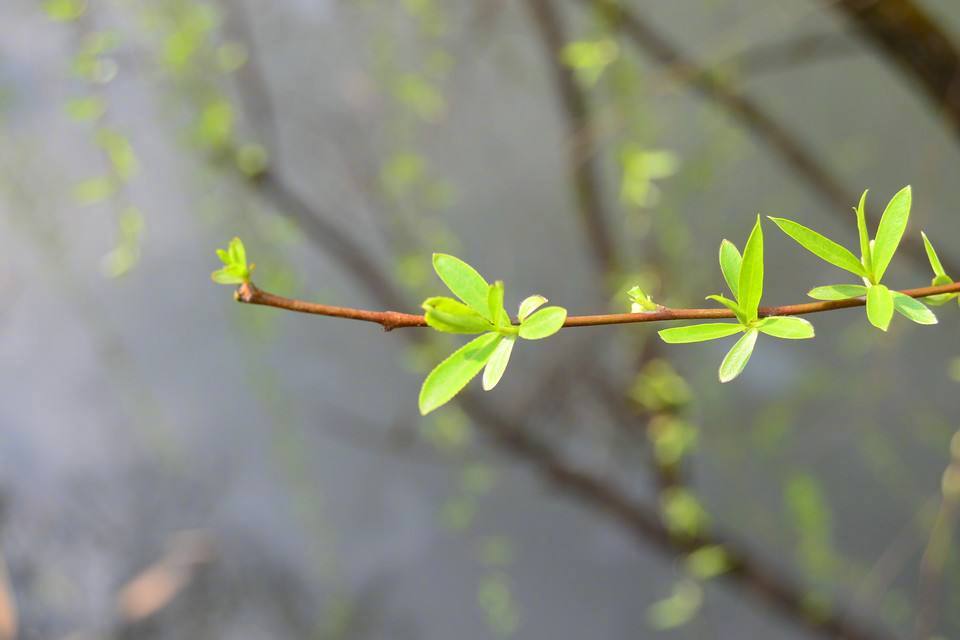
(911, 38)
(796, 155)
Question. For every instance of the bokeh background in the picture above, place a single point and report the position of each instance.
(176, 465)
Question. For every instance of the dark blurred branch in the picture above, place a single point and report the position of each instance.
(582, 158)
(912, 39)
(756, 120)
(250, 294)
(790, 54)
(768, 585)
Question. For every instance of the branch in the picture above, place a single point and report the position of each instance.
(249, 293)
(582, 164)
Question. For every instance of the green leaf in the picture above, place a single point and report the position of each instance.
(750, 284)
(230, 274)
(495, 304)
(699, 332)
(730, 261)
(237, 252)
(892, 225)
(879, 306)
(224, 256)
(861, 212)
(730, 304)
(837, 292)
(497, 363)
(543, 323)
(786, 327)
(738, 356)
(821, 246)
(912, 309)
(450, 376)
(943, 298)
(529, 305)
(464, 281)
(933, 257)
(452, 316)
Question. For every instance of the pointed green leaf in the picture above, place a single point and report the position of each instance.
(932, 256)
(837, 292)
(879, 306)
(750, 284)
(861, 212)
(224, 256)
(787, 327)
(738, 356)
(892, 225)
(237, 252)
(497, 363)
(495, 304)
(912, 309)
(452, 316)
(529, 305)
(730, 261)
(450, 376)
(543, 323)
(821, 246)
(730, 304)
(464, 281)
(699, 332)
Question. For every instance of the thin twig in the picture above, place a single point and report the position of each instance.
(250, 294)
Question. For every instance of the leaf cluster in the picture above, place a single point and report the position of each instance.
(478, 309)
(744, 276)
(235, 269)
(875, 257)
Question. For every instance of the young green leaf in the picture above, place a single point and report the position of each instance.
(453, 374)
(892, 225)
(912, 309)
(738, 356)
(464, 281)
(641, 302)
(879, 306)
(699, 332)
(837, 292)
(237, 252)
(543, 323)
(861, 212)
(786, 327)
(230, 274)
(452, 316)
(750, 283)
(529, 305)
(943, 298)
(730, 261)
(730, 304)
(497, 363)
(495, 304)
(821, 246)
(932, 256)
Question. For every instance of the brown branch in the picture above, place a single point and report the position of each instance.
(250, 294)
(755, 119)
(582, 161)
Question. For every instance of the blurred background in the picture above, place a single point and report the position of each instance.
(175, 465)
